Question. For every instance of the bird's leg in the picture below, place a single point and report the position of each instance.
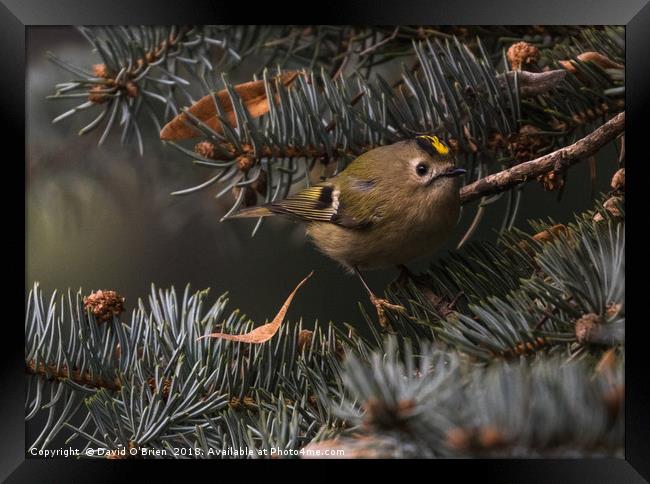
(442, 306)
(380, 304)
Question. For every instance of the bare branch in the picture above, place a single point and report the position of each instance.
(530, 170)
(53, 372)
(376, 46)
(533, 83)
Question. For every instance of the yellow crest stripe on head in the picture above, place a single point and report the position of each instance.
(438, 145)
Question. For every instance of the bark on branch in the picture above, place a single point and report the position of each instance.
(530, 170)
(53, 373)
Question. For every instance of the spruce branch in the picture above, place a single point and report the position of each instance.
(147, 382)
(54, 373)
(560, 291)
(315, 125)
(143, 69)
(555, 161)
(508, 349)
(432, 404)
(312, 127)
(158, 376)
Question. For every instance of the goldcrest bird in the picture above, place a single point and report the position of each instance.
(391, 205)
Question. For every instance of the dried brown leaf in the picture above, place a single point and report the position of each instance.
(266, 331)
(252, 94)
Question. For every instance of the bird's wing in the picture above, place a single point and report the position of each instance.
(318, 203)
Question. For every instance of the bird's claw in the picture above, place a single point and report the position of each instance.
(381, 305)
(405, 275)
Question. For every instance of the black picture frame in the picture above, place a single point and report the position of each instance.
(18, 15)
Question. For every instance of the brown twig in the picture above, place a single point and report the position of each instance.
(530, 170)
(533, 83)
(52, 372)
(346, 55)
(376, 46)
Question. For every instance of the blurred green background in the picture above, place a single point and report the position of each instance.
(103, 217)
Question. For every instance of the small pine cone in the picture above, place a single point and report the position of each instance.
(585, 326)
(304, 339)
(260, 185)
(97, 95)
(244, 163)
(205, 148)
(250, 196)
(104, 305)
(618, 180)
(522, 55)
(132, 89)
(100, 70)
(525, 144)
(551, 181)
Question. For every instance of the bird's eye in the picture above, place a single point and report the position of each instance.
(421, 169)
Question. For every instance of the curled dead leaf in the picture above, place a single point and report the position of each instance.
(266, 331)
(252, 94)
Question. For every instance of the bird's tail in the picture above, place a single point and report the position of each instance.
(253, 212)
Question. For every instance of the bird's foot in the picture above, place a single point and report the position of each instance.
(381, 305)
(404, 277)
(442, 306)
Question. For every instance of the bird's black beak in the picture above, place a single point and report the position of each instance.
(452, 172)
(448, 173)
